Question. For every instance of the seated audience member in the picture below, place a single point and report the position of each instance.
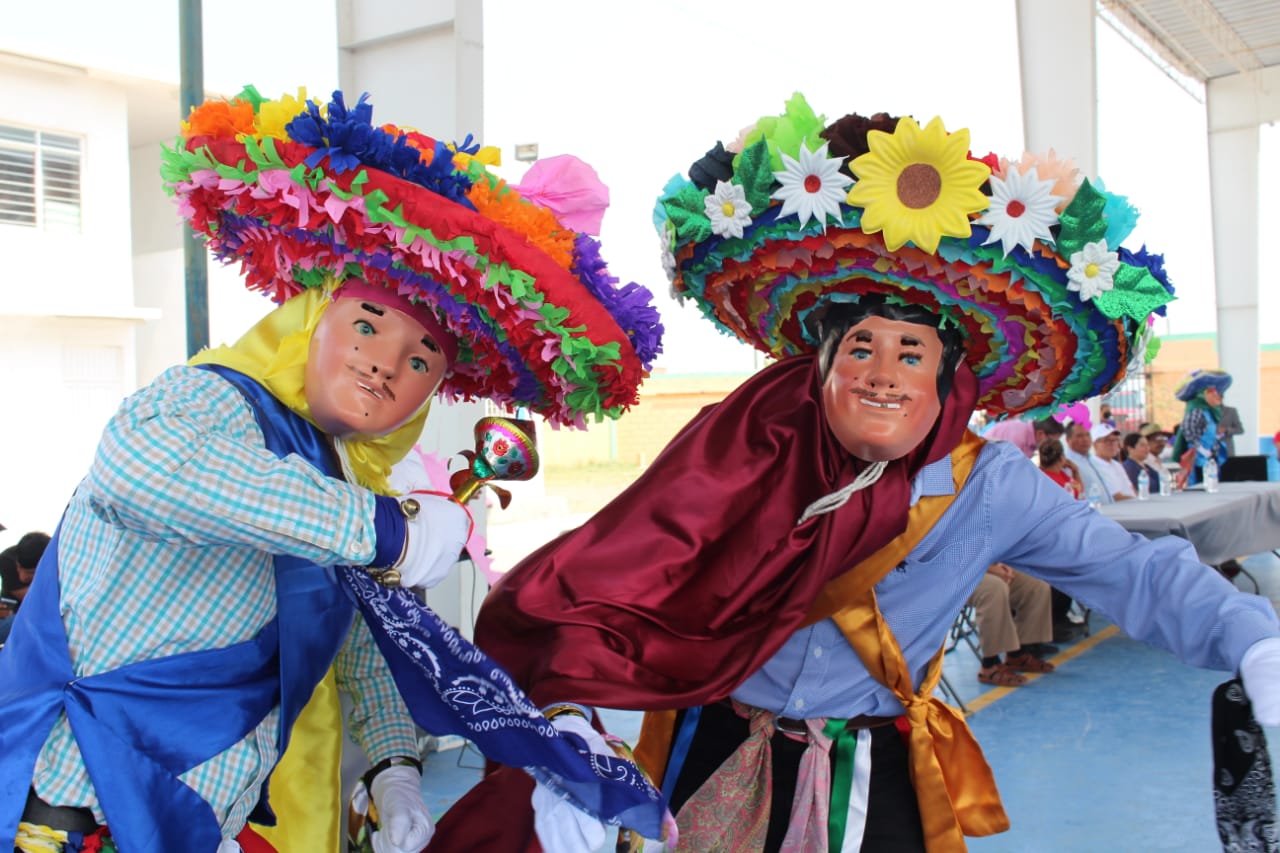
(26, 554)
(1157, 441)
(1106, 447)
(1046, 429)
(1079, 451)
(1060, 469)
(1055, 464)
(1027, 436)
(1137, 460)
(9, 606)
(1021, 434)
(17, 570)
(1013, 616)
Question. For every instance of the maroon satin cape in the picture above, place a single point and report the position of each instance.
(687, 582)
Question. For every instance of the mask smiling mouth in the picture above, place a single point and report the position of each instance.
(883, 402)
(370, 390)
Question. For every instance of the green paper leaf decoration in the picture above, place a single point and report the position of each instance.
(755, 173)
(1082, 221)
(1135, 295)
(786, 133)
(688, 213)
(250, 94)
(1153, 348)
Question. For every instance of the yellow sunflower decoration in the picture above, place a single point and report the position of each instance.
(918, 185)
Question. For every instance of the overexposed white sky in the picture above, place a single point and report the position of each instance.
(642, 90)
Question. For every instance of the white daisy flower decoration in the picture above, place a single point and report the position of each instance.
(1092, 270)
(728, 209)
(1023, 208)
(811, 186)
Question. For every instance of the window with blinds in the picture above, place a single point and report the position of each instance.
(39, 179)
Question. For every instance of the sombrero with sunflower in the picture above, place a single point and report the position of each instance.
(305, 194)
(1022, 256)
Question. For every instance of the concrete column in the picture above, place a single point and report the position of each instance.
(422, 63)
(1233, 169)
(1236, 106)
(1056, 56)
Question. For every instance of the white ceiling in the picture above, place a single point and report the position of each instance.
(1203, 39)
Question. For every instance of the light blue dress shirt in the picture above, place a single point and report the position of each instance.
(1009, 511)
(1090, 474)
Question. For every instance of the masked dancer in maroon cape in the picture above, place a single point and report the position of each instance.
(776, 589)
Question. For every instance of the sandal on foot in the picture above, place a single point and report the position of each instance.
(1026, 662)
(1001, 676)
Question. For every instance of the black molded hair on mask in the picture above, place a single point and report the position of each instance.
(831, 321)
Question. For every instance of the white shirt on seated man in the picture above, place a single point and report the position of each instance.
(1106, 452)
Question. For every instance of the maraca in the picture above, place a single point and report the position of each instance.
(504, 451)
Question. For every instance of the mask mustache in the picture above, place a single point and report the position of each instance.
(872, 395)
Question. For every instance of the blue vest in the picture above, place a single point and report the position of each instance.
(141, 726)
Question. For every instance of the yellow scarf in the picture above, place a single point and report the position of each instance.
(274, 354)
(305, 790)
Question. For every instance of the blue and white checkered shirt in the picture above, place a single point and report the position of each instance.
(1158, 591)
(166, 547)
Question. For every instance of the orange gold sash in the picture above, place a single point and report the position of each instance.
(954, 785)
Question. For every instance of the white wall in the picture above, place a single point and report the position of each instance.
(67, 312)
(62, 379)
(90, 272)
(158, 275)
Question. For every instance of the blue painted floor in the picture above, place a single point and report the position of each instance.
(1109, 753)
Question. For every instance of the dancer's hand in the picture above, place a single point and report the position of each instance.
(1260, 672)
(404, 823)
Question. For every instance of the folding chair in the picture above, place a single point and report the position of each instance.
(950, 693)
(965, 628)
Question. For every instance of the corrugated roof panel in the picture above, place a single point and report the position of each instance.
(1205, 38)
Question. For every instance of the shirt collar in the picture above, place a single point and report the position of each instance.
(934, 479)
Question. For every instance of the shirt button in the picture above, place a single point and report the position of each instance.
(817, 653)
(800, 704)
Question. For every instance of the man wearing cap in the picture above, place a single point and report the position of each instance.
(237, 534)
(777, 588)
(1106, 452)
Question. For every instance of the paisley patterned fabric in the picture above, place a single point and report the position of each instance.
(1244, 794)
(452, 687)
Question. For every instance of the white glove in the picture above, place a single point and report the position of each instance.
(229, 845)
(1260, 672)
(404, 823)
(562, 827)
(434, 540)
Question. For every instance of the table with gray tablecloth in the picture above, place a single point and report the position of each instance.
(1237, 520)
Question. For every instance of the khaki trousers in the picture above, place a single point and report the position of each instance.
(1012, 615)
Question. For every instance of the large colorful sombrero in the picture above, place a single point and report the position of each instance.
(1021, 256)
(304, 194)
(1198, 381)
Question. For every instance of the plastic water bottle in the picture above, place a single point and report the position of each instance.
(1144, 485)
(1096, 494)
(1166, 485)
(1210, 471)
